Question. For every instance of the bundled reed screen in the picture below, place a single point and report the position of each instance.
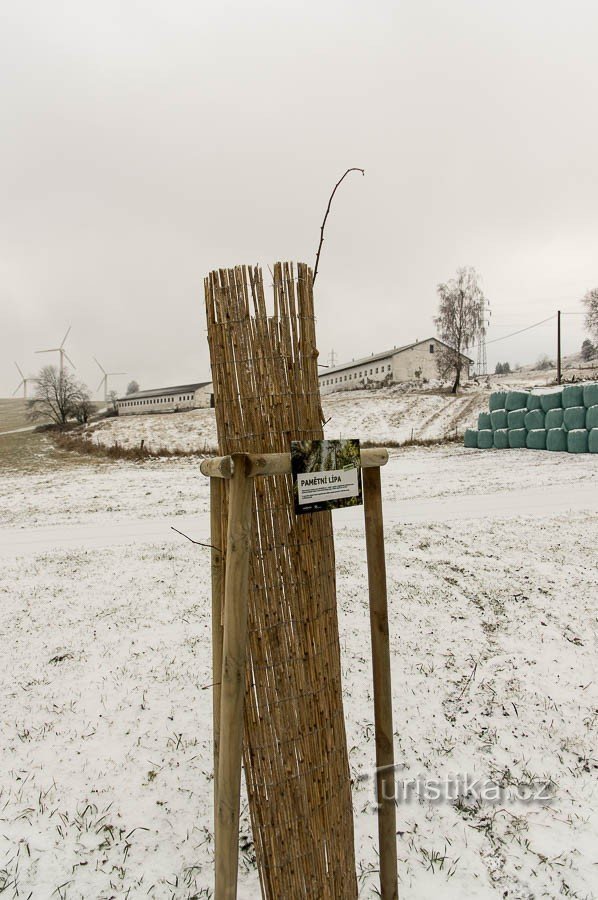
(266, 392)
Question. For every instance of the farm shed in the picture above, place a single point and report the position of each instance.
(171, 399)
(413, 362)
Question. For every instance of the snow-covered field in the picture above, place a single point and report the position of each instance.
(384, 415)
(105, 774)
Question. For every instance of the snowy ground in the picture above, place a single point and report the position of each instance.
(105, 769)
(385, 415)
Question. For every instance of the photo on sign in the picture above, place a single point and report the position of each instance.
(326, 474)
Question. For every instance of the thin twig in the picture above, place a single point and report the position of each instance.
(199, 543)
(354, 169)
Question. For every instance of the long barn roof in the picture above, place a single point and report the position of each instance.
(165, 392)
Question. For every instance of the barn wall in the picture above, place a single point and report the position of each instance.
(356, 376)
(200, 399)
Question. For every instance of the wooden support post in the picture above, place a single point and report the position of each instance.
(216, 536)
(238, 548)
(385, 773)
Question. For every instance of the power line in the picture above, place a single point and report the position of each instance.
(521, 330)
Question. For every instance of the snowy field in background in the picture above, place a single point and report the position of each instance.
(385, 415)
(105, 772)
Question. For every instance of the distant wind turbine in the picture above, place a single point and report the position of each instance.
(23, 383)
(104, 380)
(62, 352)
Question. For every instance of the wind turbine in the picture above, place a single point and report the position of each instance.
(23, 383)
(62, 352)
(104, 380)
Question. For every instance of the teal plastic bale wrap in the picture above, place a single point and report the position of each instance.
(497, 400)
(501, 439)
(577, 441)
(536, 439)
(535, 419)
(593, 440)
(485, 439)
(556, 440)
(471, 439)
(516, 400)
(590, 395)
(517, 438)
(572, 395)
(484, 421)
(554, 419)
(552, 401)
(533, 401)
(516, 418)
(498, 418)
(574, 418)
(592, 418)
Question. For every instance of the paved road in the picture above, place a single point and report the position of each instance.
(535, 502)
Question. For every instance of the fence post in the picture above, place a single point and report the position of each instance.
(385, 772)
(217, 565)
(232, 691)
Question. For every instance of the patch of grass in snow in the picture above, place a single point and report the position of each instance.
(82, 443)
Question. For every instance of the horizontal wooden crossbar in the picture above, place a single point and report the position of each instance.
(277, 463)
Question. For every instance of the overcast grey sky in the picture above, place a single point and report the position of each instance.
(145, 143)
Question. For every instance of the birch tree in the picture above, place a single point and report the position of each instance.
(459, 322)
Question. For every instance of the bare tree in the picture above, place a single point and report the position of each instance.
(459, 321)
(113, 401)
(57, 395)
(590, 301)
(83, 409)
(132, 387)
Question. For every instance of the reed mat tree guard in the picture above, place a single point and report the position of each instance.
(277, 668)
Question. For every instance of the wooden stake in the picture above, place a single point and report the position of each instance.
(217, 593)
(238, 548)
(385, 773)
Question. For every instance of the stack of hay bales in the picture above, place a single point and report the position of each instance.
(565, 419)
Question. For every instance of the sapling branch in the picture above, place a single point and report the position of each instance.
(199, 543)
(323, 225)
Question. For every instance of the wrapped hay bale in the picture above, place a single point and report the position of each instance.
(501, 439)
(517, 438)
(536, 439)
(497, 400)
(535, 419)
(554, 419)
(485, 439)
(471, 438)
(593, 440)
(556, 439)
(498, 419)
(574, 418)
(516, 418)
(484, 421)
(533, 401)
(577, 441)
(590, 395)
(516, 400)
(592, 418)
(552, 401)
(572, 395)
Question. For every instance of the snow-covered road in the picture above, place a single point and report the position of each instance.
(497, 505)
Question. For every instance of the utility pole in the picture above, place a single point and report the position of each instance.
(558, 349)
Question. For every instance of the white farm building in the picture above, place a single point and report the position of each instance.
(172, 399)
(413, 362)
